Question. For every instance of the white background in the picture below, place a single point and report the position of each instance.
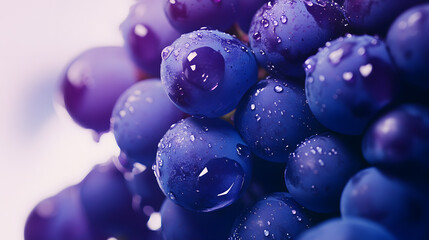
(41, 151)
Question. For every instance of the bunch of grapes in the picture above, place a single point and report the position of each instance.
(253, 119)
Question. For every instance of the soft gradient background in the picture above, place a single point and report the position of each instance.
(42, 150)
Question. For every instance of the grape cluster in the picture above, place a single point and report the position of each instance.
(253, 119)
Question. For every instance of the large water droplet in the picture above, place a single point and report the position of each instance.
(219, 183)
(365, 70)
(283, 19)
(204, 68)
(278, 89)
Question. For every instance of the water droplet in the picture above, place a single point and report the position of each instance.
(279, 40)
(171, 196)
(122, 113)
(361, 51)
(283, 19)
(266, 233)
(252, 107)
(257, 36)
(347, 76)
(192, 138)
(258, 118)
(335, 56)
(166, 52)
(365, 70)
(140, 30)
(278, 89)
(265, 23)
(293, 211)
(321, 162)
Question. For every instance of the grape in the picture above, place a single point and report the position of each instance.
(399, 141)
(142, 184)
(60, 217)
(247, 9)
(108, 204)
(349, 81)
(273, 117)
(190, 15)
(394, 204)
(277, 216)
(202, 164)
(350, 229)
(284, 33)
(181, 224)
(141, 116)
(146, 32)
(374, 16)
(204, 66)
(407, 40)
(93, 81)
(319, 169)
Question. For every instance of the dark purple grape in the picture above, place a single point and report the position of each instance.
(277, 216)
(93, 82)
(147, 31)
(207, 72)
(181, 224)
(286, 32)
(202, 164)
(60, 217)
(349, 81)
(399, 141)
(319, 169)
(246, 11)
(143, 185)
(273, 117)
(399, 207)
(141, 116)
(190, 15)
(347, 229)
(375, 16)
(110, 207)
(407, 40)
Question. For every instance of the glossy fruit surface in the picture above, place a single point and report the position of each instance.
(273, 117)
(394, 204)
(277, 216)
(201, 164)
(286, 32)
(349, 81)
(141, 116)
(204, 66)
(319, 169)
(190, 15)
(349, 229)
(93, 82)
(407, 40)
(146, 32)
(399, 141)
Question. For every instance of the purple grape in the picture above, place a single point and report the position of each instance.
(141, 116)
(202, 164)
(147, 31)
(110, 207)
(396, 205)
(319, 169)
(60, 217)
(273, 117)
(349, 81)
(407, 40)
(399, 141)
(181, 224)
(375, 16)
(347, 229)
(286, 32)
(93, 82)
(277, 216)
(204, 66)
(190, 15)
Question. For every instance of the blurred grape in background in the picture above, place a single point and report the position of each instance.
(44, 151)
